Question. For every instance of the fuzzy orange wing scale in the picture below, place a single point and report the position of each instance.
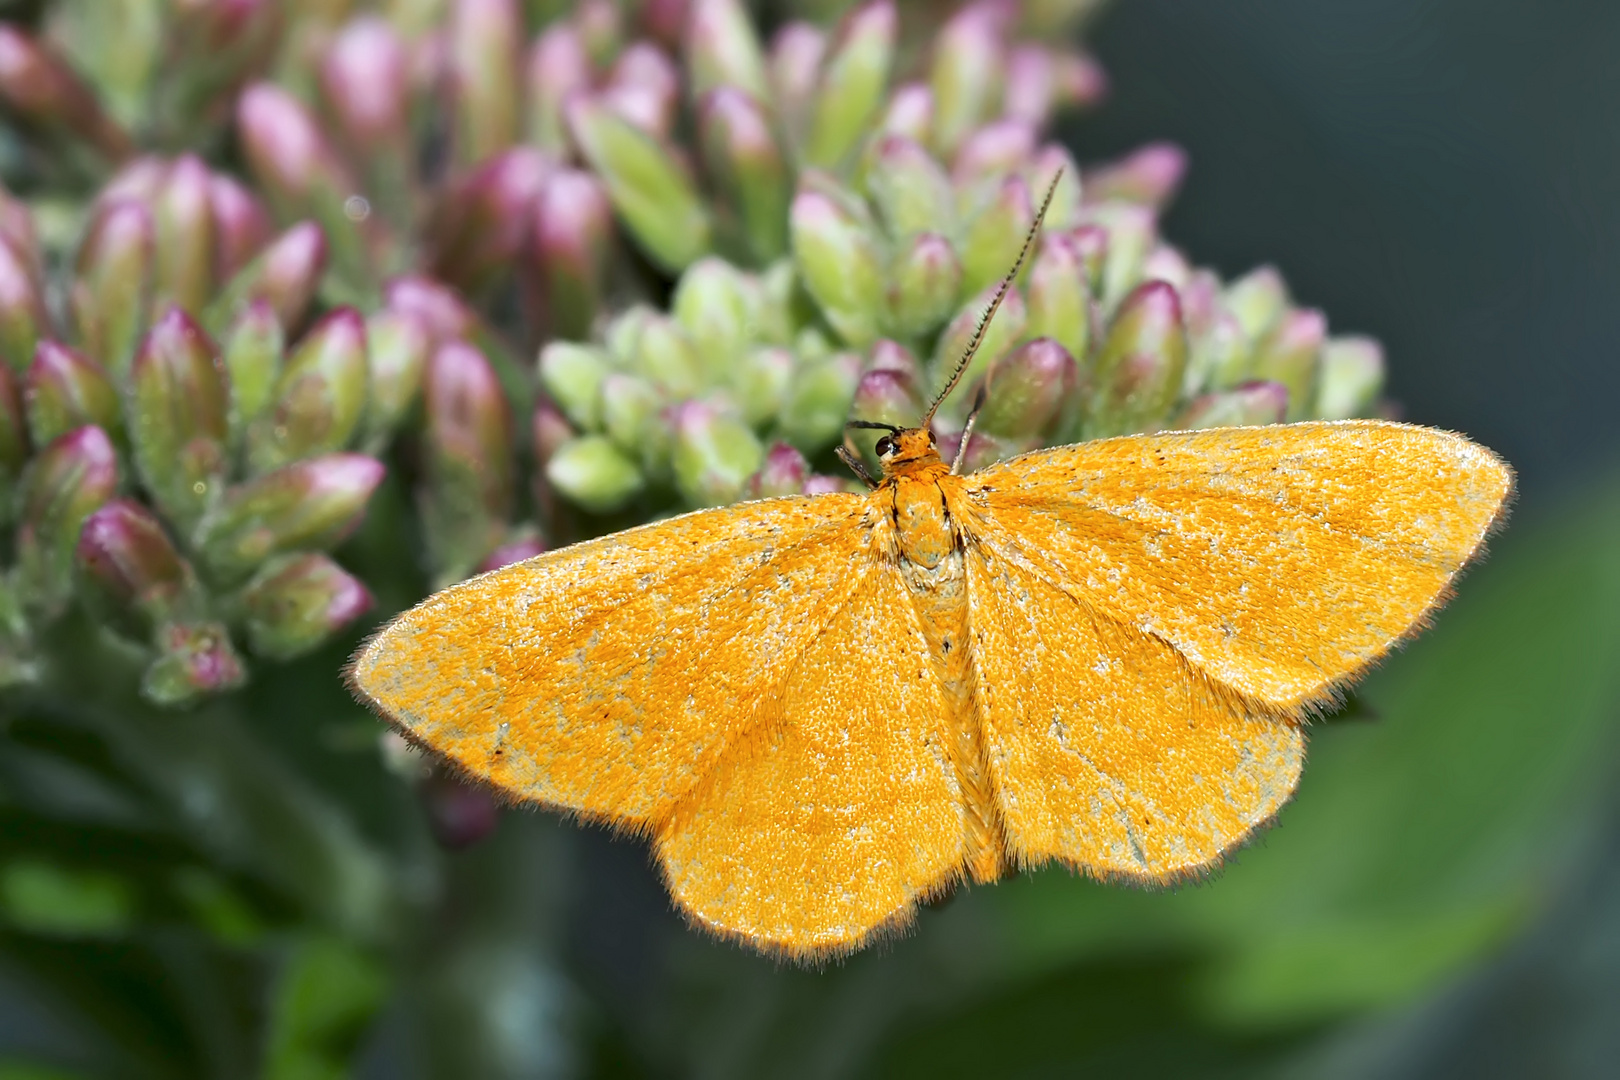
(1106, 749)
(840, 812)
(750, 685)
(1278, 561)
(609, 676)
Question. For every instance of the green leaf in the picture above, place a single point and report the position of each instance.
(327, 994)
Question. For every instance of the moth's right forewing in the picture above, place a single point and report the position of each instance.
(609, 676)
(1280, 561)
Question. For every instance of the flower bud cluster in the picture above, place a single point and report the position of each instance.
(181, 487)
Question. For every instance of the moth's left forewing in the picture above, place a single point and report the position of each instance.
(1280, 561)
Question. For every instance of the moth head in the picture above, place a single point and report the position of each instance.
(906, 444)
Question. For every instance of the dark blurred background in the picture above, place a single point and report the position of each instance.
(1444, 175)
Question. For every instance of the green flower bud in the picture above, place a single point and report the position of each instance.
(1222, 353)
(760, 382)
(195, 659)
(184, 247)
(557, 66)
(854, 76)
(743, 157)
(482, 58)
(909, 188)
(884, 396)
(129, 571)
(1091, 243)
(13, 439)
(470, 482)
(841, 263)
(1251, 403)
(516, 550)
(17, 228)
(572, 375)
(63, 485)
(715, 304)
(1148, 176)
(651, 191)
(715, 453)
(548, 430)
(783, 307)
(992, 241)
(1059, 298)
(483, 221)
(924, 283)
(320, 398)
(1291, 354)
(644, 88)
(722, 50)
(311, 504)
(441, 308)
(241, 225)
(666, 355)
(63, 390)
(630, 408)
(967, 73)
(794, 68)
(1004, 331)
(1165, 263)
(573, 237)
(44, 90)
(364, 80)
(397, 348)
(111, 291)
(252, 353)
(783, 472)
(988, 155)
(178, 416)
(1054, 162)
(23, 320)
(1131, 235)
(295, 602)
(910, 114)
(1258, 299)
(601, 29)
(983, 449)
(1027, 390)
(887, 355)
(1351, 378)
(1140, 364)
(285, 276)
(818, 401)
(592, 472)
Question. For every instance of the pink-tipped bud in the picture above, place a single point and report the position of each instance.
(783, 473)
(573, 237)
(485, 218)
(1149, 176)
(364, 81)
(241, 225)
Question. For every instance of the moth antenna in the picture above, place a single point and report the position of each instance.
(874, 425)
(995, 303)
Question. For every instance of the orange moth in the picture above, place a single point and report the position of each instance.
(824, 709)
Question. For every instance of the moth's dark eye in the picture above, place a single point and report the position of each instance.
(931, 440)
(884, 445)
